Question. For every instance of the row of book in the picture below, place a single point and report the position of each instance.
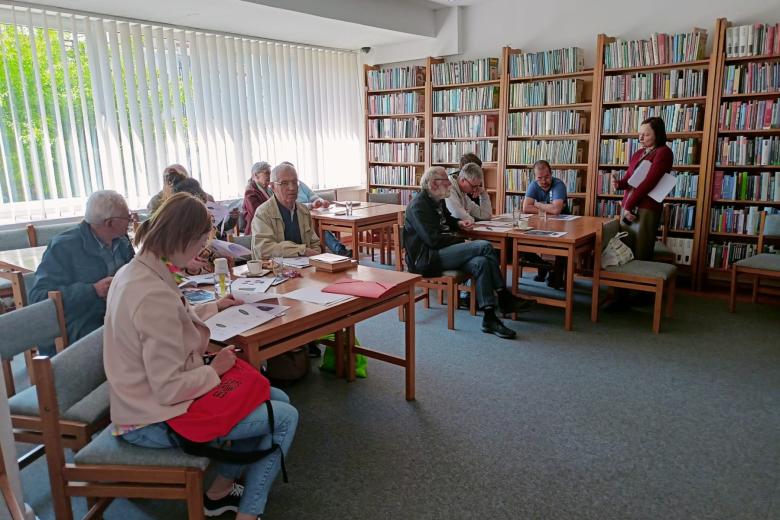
(551, 122)
(450, 152)
(722, 255)
(682, 249)
(761, 186)
(607, 208)
(743, 220)
(400, 175)
(682, 217)
(555, 152)
(477, 125)
(677, 117)
(395, 128)
(686, 186)
(454, 100)
(518, 179)
(397, 77)
(676, 83)
(467, 71)
(398, 103)
(395, 152)
(541, 93)
(406, 195)
(619, 151)
(756, 114)
(751, 78)
(746, 150)
(512, 202)
(545, 63)
(660, 49)
(752, 40)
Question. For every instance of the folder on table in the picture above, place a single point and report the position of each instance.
(354, 287)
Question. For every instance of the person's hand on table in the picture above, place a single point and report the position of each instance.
(466, 223)
(101, 286)
(228, 301)
(224, 360)
(325, 203)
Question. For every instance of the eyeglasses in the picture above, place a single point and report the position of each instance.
(473, 186)
(287, 184)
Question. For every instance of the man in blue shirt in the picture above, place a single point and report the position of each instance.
(81, 262)
(546, 194)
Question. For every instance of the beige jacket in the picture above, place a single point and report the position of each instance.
(152, 345)
(268, 232)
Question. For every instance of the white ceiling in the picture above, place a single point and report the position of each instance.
(330, 23)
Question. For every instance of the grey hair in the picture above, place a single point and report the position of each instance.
(260, 167)
(472, 172)
(102, 205)
(281, 168)
(427, 177)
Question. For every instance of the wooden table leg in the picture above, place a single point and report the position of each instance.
(338, 351)
(410, 348)
(350, 345)
(515, 266)
(355, 242)
(569, 288)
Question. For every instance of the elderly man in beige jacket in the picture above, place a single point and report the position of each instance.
(281, 226)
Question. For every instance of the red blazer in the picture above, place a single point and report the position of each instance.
(661, 163)
(253, 197)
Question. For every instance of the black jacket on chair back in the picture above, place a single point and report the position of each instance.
(428, 227)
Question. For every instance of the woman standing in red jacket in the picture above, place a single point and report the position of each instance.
(640, 213)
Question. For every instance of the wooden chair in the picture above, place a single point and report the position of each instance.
(329, 195)
(639, 275)
(661, 251)
(447, 285)
(106, 467)
(40, 235)
(13, 505)
(761, 265)
(14, 239)
(378, 239)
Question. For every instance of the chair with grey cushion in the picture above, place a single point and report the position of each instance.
(374, 240)
(329, 195)
(762, 265)
(14, 239)
(40, 235)
(638, 275)
(447, 285)
(106, 467)
(661, 251)
(391, 197)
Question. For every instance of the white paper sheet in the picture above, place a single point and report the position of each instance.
(663, 188)
(565, 218)
(640, 174)
(329, 258)
(218, 211)
(198, 279)
(296, 261)
(314, 295)
(250, 290)
(229, 249)
(235, 320)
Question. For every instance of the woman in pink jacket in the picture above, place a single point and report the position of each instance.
(154, 342)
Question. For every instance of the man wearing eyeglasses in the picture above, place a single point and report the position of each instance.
(469, 184)
(281, 225)
(81, 262)
(433, 245)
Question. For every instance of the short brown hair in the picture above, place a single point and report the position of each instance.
(181, 220)
(470, 158)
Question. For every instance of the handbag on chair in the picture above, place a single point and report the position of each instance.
(616, 251)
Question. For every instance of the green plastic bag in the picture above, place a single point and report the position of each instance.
(328, 363)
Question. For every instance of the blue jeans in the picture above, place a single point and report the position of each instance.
(251, 434)
(479, 259)
(333, 243)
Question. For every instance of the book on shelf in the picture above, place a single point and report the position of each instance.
(467, 71)
(682, 248)
(757, 77)
(744, 150)
(546, 122)
(722, 255)
(545, 63)
(619, 151)
(681, 216)
(473, 125)
(406, 194)
(555, 152)
(396, 103)
(450, 152)
(395, 128)
(643, 86)
(542, 93)
(677, 118)
(756, 114)
(752, 40)
(518, 179)
(759, 186)
(465, 99)
(659, 49)
(395, 175)
(397, 77)
(395, 152)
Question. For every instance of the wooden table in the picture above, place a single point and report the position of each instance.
(375, 217)
(579, 239)
(24, 260)
(497, 236)
(305, 322)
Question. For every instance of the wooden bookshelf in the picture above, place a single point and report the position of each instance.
(490, 136)
(415, 167)
(517, 116)
(607, 103)
(721, 98)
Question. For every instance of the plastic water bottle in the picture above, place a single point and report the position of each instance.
(221, 278)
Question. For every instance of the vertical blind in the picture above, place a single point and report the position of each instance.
(90, 103)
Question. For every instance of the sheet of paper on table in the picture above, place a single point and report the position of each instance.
(240, 318)
(296, 261)
(198, 296)
(563, 217)
(250, 289)
(543, 233)
(314, 295)
(329, 258)
(196, 280)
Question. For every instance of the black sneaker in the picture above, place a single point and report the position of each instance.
(314, 350)
(498, 328)
(227, 503)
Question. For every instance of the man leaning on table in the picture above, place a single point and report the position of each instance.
(81, 263)
(469, 184)
(433, 245)
(281, 225)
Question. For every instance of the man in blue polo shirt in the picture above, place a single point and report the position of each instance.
(81, 262)
(546, 194)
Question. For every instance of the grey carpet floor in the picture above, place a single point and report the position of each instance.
(606, 422)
